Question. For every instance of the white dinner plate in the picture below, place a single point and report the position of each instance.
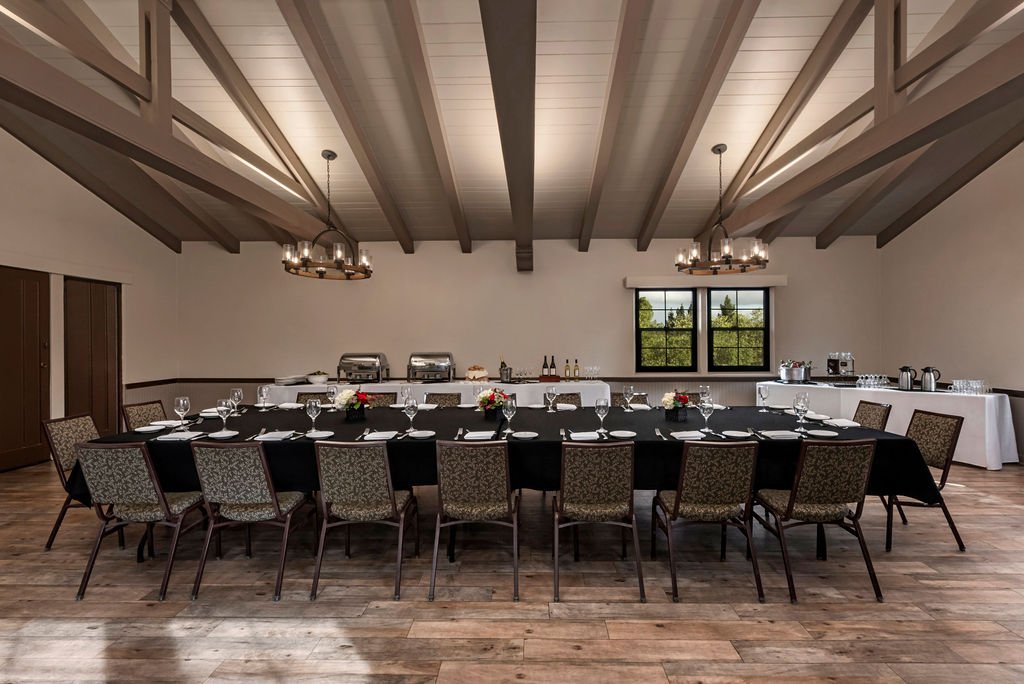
(478, 435)
(524, 434)
(823, 434)
(150, 428)
(223, 434)
(736, 434)
(290, 405)
(534, 406)
(622, 434)
(689, 435)
(319, 434)
(422, 434)
(472, 406)
(640, 407)
(265, 405)
(781, 407)
(167, 423)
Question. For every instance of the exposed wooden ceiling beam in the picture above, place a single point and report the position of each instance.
(305, 19)
(631, 18)
(409, 32)
(510, 33)
(155, 54)
(830, 46)
(992, 82)
(777, 228)
(31, 83)
(213, 228)
(888, 40)
(737, 21)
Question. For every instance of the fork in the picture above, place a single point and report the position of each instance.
(459, 433)
(657, 431)
(362, 436)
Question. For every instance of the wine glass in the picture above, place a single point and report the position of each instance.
(181, 407)
(601, 409)
(627, 394)
(410, 409)
(706, 408)
(550, 394)
(508, 408)
(236, 397)
(762, 392)
(262, 394)
(224, 409)
(801, 404)
(406, 394)
(332, 394)
(313, 410)
(705, 393)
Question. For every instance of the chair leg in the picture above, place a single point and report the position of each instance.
(576, 543)
(722, 556)
(140, 552)
(515, 555)
(248, 541)
(899, 508)
(398, 564)
(92, 561)
(952, 525)
(889, 505)
(822, 545)
(654, 528)
(622, 554)
(284, 554)
(171, 550)
(752, 554)
(639, 562)
(556, 518)
(220, 553)
(151, 538)
(867, 560)
(348, 541)
(671, 559)
(202, 559)
(451, 544)
(433, 562)
(321, 548)
(785, 561)
(416, 528)
(60, 519)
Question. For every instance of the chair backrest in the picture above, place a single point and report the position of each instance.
(355, 474)
(473, 473)
(597, 474)
(569, 398)
(120, 474)
(137, 415)
(619, 399)
(444, 399)
(872, 415)
(936, 435)
(302, 397)
(716, 474)
(234, 473)
(63, 434)
(832, 472)
(382, 399)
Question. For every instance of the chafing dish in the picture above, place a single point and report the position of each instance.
(431, 367)
(364, 367)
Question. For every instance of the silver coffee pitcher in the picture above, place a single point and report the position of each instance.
(930, 379)
(907, 377)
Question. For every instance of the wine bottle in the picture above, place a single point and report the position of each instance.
(502, 358)
(552, 368)
(544, 369)
(576, 369)
(567, 370)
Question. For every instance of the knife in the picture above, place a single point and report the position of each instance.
(458, 434)
(362, 436)
(252, 437)
(561, 433)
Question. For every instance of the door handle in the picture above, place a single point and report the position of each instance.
(43, 364)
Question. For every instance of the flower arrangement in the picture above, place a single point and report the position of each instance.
(674, 399)
(351, 399)
(790, 363)
(492, 398)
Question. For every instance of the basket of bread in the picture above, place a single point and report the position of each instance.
(476, 373)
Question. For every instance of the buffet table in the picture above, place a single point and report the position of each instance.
(526, 393)
(987, 438)
(535, 463)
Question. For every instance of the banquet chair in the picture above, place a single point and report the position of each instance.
(62, 434)
(443, 399)
(473, 487)
(355, 487)
(238, 491)
(137, 415)
(875, 416)
(619, 399)
(716, 487)
(936, 435)
(303, 397)
(382, 399)
(596, 488)
(569, 398)
(830, 476)
(125, 489)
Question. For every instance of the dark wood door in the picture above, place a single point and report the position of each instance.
(92, 351)
(24, 366)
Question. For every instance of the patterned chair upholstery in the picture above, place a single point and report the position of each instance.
(121, 478)
(716, 486)
(303, 397)
(569, 398)
(936, 436)
(473, 487)
(62, 434)
(137, 415)
(830, 476)
(872, 415)
(355, 486)
(596, 487)
(444, 399)
(238, 490)
(382, 399)
(619, 399)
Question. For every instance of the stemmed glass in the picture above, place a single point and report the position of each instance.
(332, 394)
(550, 394)
(509, 409)
(627, 395)
(224, 409)
(181, 407)
(601, 409)
(762, 392)
(706, 408)
(801, 404)
(406, 394)
(262, 394)
(313, 410)
(410, 409)
(236, 397)
(705, 393)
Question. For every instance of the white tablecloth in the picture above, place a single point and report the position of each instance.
(987, 438)
(528, 393)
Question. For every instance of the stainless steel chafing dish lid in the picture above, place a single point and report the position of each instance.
(431, 361)
(363, 361)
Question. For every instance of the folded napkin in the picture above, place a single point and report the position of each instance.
(428, 407)
(584, 436)
(275, 436)
(780, 434)
(842, 422)
(290, 405)
(167, 423)
(208, 412)
(640, 407)
(479, 434)
(380, 436)
(565, 407)
(179, 436)
(688, 434)
(810, 414)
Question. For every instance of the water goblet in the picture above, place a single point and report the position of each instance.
(236, 397)
(627, 395)
(762, 392)
(508, 408)
(706, 408)
(705, 392)
(181, 408)
(410, 409)
(601, 409)
(801, 404)
(224, 409)
(332, 395)
(313, 410)
(262, 394)
(550, 394)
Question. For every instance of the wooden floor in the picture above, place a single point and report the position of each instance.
(948, 616)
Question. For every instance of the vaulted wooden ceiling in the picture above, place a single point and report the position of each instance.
(535, 119)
